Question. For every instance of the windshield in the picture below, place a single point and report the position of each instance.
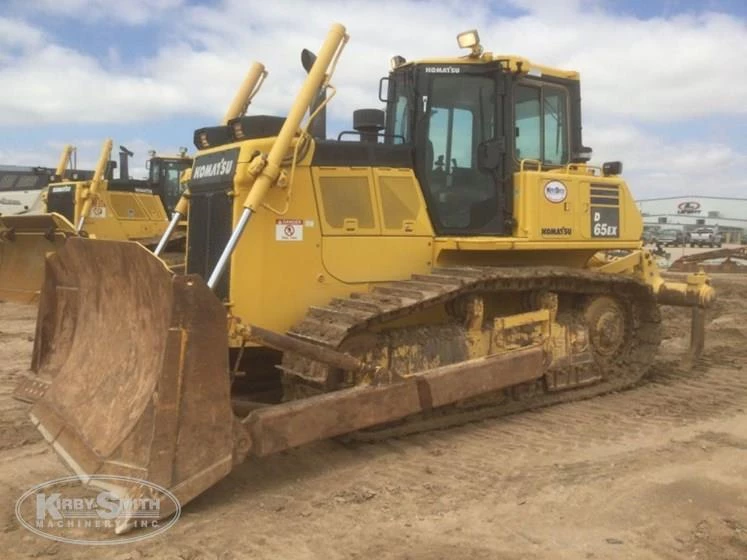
(171, 180)
(165, 174)
(21, 181)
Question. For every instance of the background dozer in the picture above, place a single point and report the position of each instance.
(727, 260)
(97, 206)
(21, 188)
(445, 264)
(106, 208)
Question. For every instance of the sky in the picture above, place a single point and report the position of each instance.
(664, 82)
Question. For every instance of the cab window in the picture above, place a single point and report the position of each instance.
(155, 171)
(171, 181)
(401, 120)
(541, 129)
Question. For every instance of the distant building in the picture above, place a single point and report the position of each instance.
(728, 215)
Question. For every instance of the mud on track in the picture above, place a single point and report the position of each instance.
(659, 471)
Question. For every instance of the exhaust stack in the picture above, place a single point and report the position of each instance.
(124, 163)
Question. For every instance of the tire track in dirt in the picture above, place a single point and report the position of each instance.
(568, 444)
(545, 435)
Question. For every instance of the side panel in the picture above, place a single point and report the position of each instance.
(312, 253)
(277, 271)
(117, 215)
(400, 203)
(127, 215)
(121, 216)
(606, 195)
(377, 259)
(400, 241)
(559, 206)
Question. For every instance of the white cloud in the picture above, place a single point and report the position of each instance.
(54, 84)
(16, 36)
(657, 167)
(653, 70)
(662, 70)
(553, 8)
(15, 33)
(88, 151)
(131, 12)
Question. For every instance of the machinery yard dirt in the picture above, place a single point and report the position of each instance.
(659, 471)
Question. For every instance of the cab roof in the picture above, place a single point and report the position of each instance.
(510, 63)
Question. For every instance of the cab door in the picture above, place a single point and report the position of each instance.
(457, 115)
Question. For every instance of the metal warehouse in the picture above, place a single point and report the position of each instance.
(727, 215)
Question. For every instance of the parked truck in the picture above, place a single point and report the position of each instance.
(705, 237)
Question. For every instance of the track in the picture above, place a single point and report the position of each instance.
(341, 323)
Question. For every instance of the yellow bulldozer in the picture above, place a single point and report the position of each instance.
(96, 205)
(448, 260)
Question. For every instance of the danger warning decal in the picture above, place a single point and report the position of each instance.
(288, 230)
(98, 212)
(98, 209)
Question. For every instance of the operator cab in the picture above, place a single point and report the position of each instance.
(21, 188)
(164, 175)
(471, 122)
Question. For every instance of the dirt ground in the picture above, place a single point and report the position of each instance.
(659, 471)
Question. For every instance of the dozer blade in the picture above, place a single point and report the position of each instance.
(137, 363)
(24, 242)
